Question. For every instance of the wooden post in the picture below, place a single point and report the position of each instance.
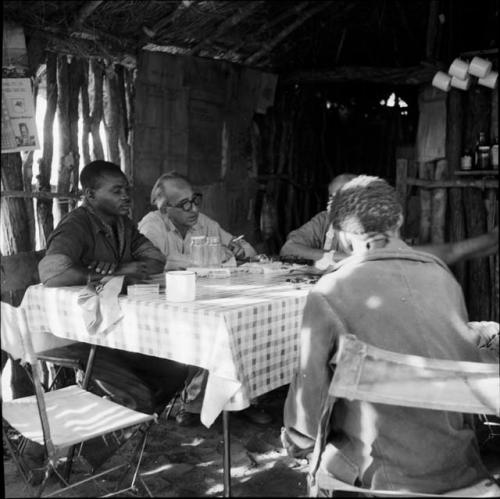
(66, 160)
(96, 76)
(75, 83)
(123, 123)
(457, 231)
(44, 206)
(402, 188)
(85, 113)
(111, 114)
(14, 217)
(491, 204)
(438, 211)
(27, 169)
(425, 171)
(454, 122)
(478, 290)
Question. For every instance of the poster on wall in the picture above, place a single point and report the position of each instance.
(19, 131)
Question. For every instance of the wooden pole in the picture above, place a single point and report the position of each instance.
(402, 188)
(267, 47)
(96, 76)
(425, 171)
(123, 145)
(439, 198)
(85, 112)
(14, 217)
(44, 206)
(111, 114)
(226, 25)
(27, 169)
(478, 290)
(66, 160)
(75, 69)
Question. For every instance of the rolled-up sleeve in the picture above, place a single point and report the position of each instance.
(65, 248)
(311, 234)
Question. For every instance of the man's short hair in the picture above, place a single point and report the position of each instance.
(157, 191)
(366, 205)
(95, 171)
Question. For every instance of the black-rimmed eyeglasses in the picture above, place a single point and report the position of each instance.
(187, 204)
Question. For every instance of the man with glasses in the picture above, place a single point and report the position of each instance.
(178, 219)
(170, 228)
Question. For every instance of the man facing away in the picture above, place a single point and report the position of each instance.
(316, 240)
(171, 228)
(98, 239)
(396, 298)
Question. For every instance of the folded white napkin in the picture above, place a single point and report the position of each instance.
(100, 306)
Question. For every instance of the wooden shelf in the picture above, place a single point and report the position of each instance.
(476, 173)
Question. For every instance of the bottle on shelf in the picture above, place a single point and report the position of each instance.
(482, 153)
(494, 154)
(466, 160)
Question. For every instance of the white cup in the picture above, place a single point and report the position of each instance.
(479, 67)
(490, 80)
(180, 285)
(442, 81)
(462, 84)
(459, 69)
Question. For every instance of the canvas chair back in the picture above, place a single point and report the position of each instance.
(16, 340)
(14, 333)
(365, 372)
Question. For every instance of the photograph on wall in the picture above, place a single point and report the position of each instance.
(19, 131)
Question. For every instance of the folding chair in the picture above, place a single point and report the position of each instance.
(18, 272)
(365, 372)
(62, 418)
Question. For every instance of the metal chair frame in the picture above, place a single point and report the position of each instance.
(461, 387)
(53, 457)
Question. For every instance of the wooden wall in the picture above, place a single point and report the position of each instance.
(450, 206)
(195, 116)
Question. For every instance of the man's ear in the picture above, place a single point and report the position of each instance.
(89, 192)
(400, 221)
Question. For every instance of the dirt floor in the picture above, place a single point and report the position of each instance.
(187, 462)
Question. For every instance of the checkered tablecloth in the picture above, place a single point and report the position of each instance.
(244, 330)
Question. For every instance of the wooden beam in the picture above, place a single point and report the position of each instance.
(267, 47)
(413, 75)
(489, 183)
(226, 25)
(172, 17)
(267, 26)
(38, 194)
(432, 30)
(85, 11)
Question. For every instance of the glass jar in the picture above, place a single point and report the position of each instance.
(198, 251)
(214, 252)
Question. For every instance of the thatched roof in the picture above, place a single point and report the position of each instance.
(277, 35)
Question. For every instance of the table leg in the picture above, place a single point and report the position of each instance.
(227, 454)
